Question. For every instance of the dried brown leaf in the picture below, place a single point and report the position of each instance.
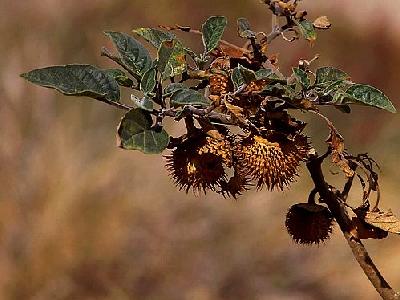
(322, 23)
(336, 142)
(364, 231)
(236, 111)
(384, 220)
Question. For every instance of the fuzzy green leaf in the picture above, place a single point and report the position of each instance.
(77, 80)
(302, 77)
(135, 132)
(171, 58)
(172, 88)
(132, 53)
(244, 29)
(120, 77)
(188, 97)
(329, 74)
(148, 82)
(241, 75)
(307, 30)
(371, 96)
(154, 36)
(212, 31)
(146, 103)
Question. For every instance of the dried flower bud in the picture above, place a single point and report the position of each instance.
(309, 223)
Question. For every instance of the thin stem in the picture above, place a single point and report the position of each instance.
(338, 209)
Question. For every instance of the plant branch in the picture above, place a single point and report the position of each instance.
(338, 209)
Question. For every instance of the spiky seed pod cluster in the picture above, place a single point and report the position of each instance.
(309, 223)
(272, 162)
(199, 162)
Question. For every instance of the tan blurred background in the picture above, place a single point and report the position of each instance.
(81, 219)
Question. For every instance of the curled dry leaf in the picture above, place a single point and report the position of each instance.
(336, 142)
(386, 221)
(322, 23)
(365, 231)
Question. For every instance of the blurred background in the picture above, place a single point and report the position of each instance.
(82, 219)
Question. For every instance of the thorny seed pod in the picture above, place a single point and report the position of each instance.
(219, 84)
(235, 186)
(272, 162)
(199, 163)
(309, 223)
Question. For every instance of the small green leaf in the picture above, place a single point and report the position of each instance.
(237, 78)
(171, 58)
(241, 75)
(164, 54)
(329, 74)
(307, 30)
(371, 96)
(172, 88)
(146, 103)
(132, 53)
(302, 77)
(135, 132)
(188, 97)
(212, 31)
(148, 82)
(154, 36)
(244, 29)
(120, 77)
(77, 80)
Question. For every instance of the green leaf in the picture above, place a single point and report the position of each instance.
(371, 96)
(307, 30)
(171, 58)
(77, 80)
(172, 88)
(135, 132)
(328, 74)
(146, 103)
(302, 77)
(154, 36)
(148, 82)
(164, 54)
(120, 77)
(212, 31)
(188, 97)
(132, 53)
(244, 29)
(241, 75)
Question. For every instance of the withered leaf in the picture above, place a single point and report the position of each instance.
(365, 231)
(236, 111)
(336, 142)
(322, 22)
(384, 220)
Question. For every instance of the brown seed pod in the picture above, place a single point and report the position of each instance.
(272, 162)
(309, 223)
(199, 163)
(219, 84)
(235, 186)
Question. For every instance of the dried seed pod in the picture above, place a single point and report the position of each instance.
(272, 162)
(219, 147)
(199, 163)
(235, 186)
(309, 223)
(219, 84)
